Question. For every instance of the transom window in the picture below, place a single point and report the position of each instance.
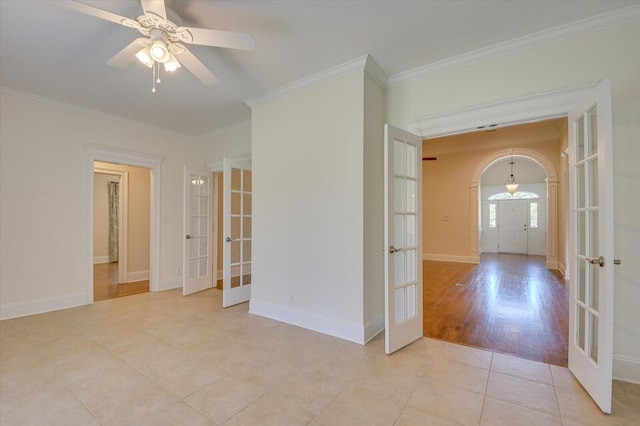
(518, 195)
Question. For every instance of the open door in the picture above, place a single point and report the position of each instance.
(403, 238)
(197, 273)
(591, 219)
(236, 254)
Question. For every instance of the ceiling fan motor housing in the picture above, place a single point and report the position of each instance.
(159, 51)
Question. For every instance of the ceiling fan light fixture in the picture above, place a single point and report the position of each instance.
(144, 56)
(172, 64)
(159, 51)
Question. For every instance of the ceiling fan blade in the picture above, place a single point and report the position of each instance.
(99, 13)
(154, 7)
(126, 56)
(216, 38)
(193, 64)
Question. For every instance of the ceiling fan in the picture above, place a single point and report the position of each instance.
(163, 40)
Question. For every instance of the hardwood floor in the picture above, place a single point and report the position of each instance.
(105, 283)
(508, 303)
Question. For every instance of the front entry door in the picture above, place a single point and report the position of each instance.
(236, 254)
(591, 220)
(403, 238)
(197, 271)
(513, 227)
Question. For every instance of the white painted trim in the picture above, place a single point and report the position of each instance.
(314, 80)
(138, 159)
(540, 38)
(562, 268)
(507, 112)
(450, 258)
(33, 307)
(219, 274)
(136, 276)
(372, 68)
(374, 327)
(551, 265)
(100, 259)
(626, 369)
(170, 284)
(345, 330)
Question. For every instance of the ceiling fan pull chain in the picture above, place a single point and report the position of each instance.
(153, 77)
(158, 72)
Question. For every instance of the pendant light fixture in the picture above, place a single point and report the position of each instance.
(511, 184)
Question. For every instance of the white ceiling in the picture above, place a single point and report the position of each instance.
(56, 53)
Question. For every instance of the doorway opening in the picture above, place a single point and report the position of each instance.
(508, 295)
(121, 224)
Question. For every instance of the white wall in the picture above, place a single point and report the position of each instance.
(44, 221)
(308, 208)
(580, 60)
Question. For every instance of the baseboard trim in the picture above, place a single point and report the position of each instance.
(562, 268)
(133, 277)
(450, 258)
(626, 369)
(170, 284)
(345, 330)
(23, 309)
(373, 327)
(101, 259)
(552, 265)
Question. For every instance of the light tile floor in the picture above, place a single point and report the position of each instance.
(164, 359)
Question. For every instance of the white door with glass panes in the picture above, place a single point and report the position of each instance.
(236, 253)
(197, 273)
(402, 238)
(591, 257)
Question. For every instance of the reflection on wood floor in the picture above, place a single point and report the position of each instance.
(508, 303)
(105, 283)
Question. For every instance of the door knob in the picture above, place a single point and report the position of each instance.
(596, 261)
(616, 261)
(392, 250)
(228, 239)
(188, 237)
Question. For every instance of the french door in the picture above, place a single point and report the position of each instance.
(403, 238)
(591, 221)
(237, 224)
(197, 271)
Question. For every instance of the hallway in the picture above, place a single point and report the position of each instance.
(105, 283)
(508, 303)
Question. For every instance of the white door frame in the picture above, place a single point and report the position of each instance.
(527, 109)
(123, 219)
(121, 156)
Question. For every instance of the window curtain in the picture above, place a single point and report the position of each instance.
(114, 225)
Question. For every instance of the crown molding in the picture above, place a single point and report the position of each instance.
(309, 82)
(585, 26)
(374, 70)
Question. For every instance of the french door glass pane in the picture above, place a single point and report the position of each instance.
(593, 337)
(581, 280)
(581, 248)
(580, 139)
(203, 266)
(580, 185)
(246, 227)
(246, 180)
(411, 301)
(236, 180)
(593, 286)
(235, 227)
(235, 251)
(195, 207)
(411, 231)
(411, 265)
(593, 131)
(593, 234)
(398, 195)
(235, 203)
(399, 269)
(399, 305)
(246, 204)
(202, 246)
(398, 156)
(411, 196)
(246, 250)
(398, 230)
(194, 228)
(593, 181)
(411, 161)
(580, 330)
